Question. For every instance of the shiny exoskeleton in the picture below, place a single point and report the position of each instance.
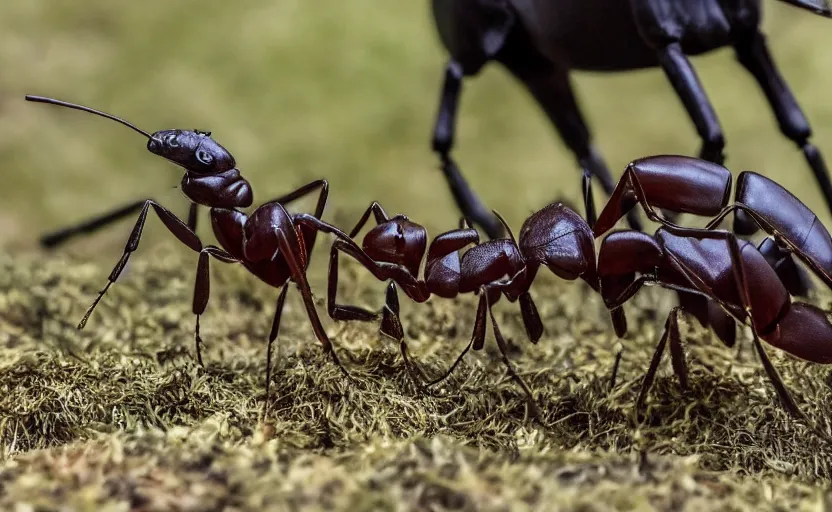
(555, 237)
(540, 41)
(724, 278)
(271, 243)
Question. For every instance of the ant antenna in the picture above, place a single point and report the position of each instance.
(505, 225)
(41, 99)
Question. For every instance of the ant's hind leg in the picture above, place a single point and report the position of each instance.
(342, 312)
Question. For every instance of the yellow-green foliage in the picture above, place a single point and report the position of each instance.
(121, 414)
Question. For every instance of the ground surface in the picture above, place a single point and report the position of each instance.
(348, 91)
(131, 422)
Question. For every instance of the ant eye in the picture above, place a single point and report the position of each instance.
(205, 157)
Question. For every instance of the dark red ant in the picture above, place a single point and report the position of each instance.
(555, 237)
(715, 264)
(271, 243)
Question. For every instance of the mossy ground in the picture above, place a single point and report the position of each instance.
(119, 416)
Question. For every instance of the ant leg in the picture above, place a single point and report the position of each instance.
(348, 312)
(619, 321)
(477, 340)
(337, 311)
(615, 366)
(413, 287)
(531, 318)
(303, 191)
(202, 288)
(391, 326)
(677, 353)
(299, 277)
(60, 236)
(501, 344)
(551, 87)
(174, 225)
(278, 313)
(782, 261)
(193, 216)
(589, 201)
(443, 141)
(753, 53)
(647, 382)
(377, 211)
(684, 80)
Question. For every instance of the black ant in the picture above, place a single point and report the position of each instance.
(271, 243)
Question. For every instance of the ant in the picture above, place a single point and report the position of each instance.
(271, 243)
(715, 264)
(555, 237)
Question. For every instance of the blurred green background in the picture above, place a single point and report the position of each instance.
(343, 90)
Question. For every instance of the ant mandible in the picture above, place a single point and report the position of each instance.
(271, 243)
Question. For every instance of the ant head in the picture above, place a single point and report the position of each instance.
(194, 150)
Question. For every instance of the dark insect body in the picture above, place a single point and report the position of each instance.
(555, 237)
(722, 279)
(271, 243)
(540, 41)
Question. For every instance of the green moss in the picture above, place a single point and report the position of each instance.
(120, 415)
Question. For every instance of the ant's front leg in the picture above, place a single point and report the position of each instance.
(348, 312)
(202, 288)
(337, 311)
(179, 229)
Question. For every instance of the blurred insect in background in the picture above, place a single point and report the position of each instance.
(540, 41)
